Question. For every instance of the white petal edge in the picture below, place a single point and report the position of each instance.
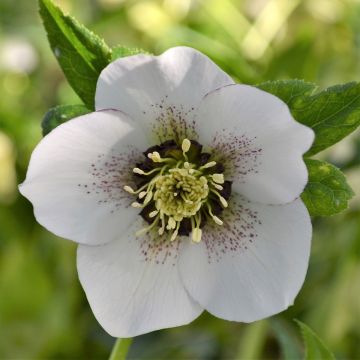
(257, 282)
(71, 180)
(245, 120)
(144, 86)
(129, 295)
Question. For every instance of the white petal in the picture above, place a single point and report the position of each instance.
(258, 140)
(157, 90)
(133, 285)
(76, 176)
(242, 277)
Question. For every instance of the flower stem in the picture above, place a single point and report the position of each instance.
(120, 349)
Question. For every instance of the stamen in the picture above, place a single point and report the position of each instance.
(148, 197)
(214, 217)
(185, 146)
(218, 178)
(142, 194)
(175, 233)
(178, 190)
(153, 213)
(137, 205)
(217, 220)
(129, 189)
(171, 224)
(217, 186)
(162, 229)
(224, 203)
(138, 171)
(141, 172)
(196, 235)
(155, 156)
(208, 165)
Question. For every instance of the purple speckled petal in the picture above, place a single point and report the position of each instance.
(76, 176)
(254, 265)
(160, 92)
(255, 137)
(133, 284)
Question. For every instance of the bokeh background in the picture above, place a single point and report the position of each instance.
(43, 310)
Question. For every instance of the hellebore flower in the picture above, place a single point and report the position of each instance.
(182, 190)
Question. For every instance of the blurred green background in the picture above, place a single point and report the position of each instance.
(43, 311)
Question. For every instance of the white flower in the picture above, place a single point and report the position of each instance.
(222, 227)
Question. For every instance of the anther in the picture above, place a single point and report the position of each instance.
(171, 224)
(196, 235)
(217, 186)
(155, 156)
(217, 220)
(208, 165)
(142, 194)
(185, 146)
(148, 197)
(224, 203)
(129, 189)
(175, 233)
(136, 205)
(218, 178)
(153, 213)
(138, 171)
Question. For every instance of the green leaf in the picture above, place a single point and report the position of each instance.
(327, 191)
(333, 114)
(60, 114)
(122, 51)
(315, 349)
(81, 54)
(287, 338)
(289, 91)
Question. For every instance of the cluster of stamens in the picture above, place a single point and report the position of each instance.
(179, 189)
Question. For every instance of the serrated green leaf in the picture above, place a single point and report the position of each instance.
(81, 54)
(122, 51)
(327, 191)
(315, 349)
(333, 114)
(60, 114)
(289, 91)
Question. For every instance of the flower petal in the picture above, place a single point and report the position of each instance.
(76, 176)
(133, 285)
(258, 140)
(156, 89)
(251, 268)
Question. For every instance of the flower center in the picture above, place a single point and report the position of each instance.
(179, 189)
(180, 193)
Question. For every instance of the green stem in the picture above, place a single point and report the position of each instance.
(120, 349)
